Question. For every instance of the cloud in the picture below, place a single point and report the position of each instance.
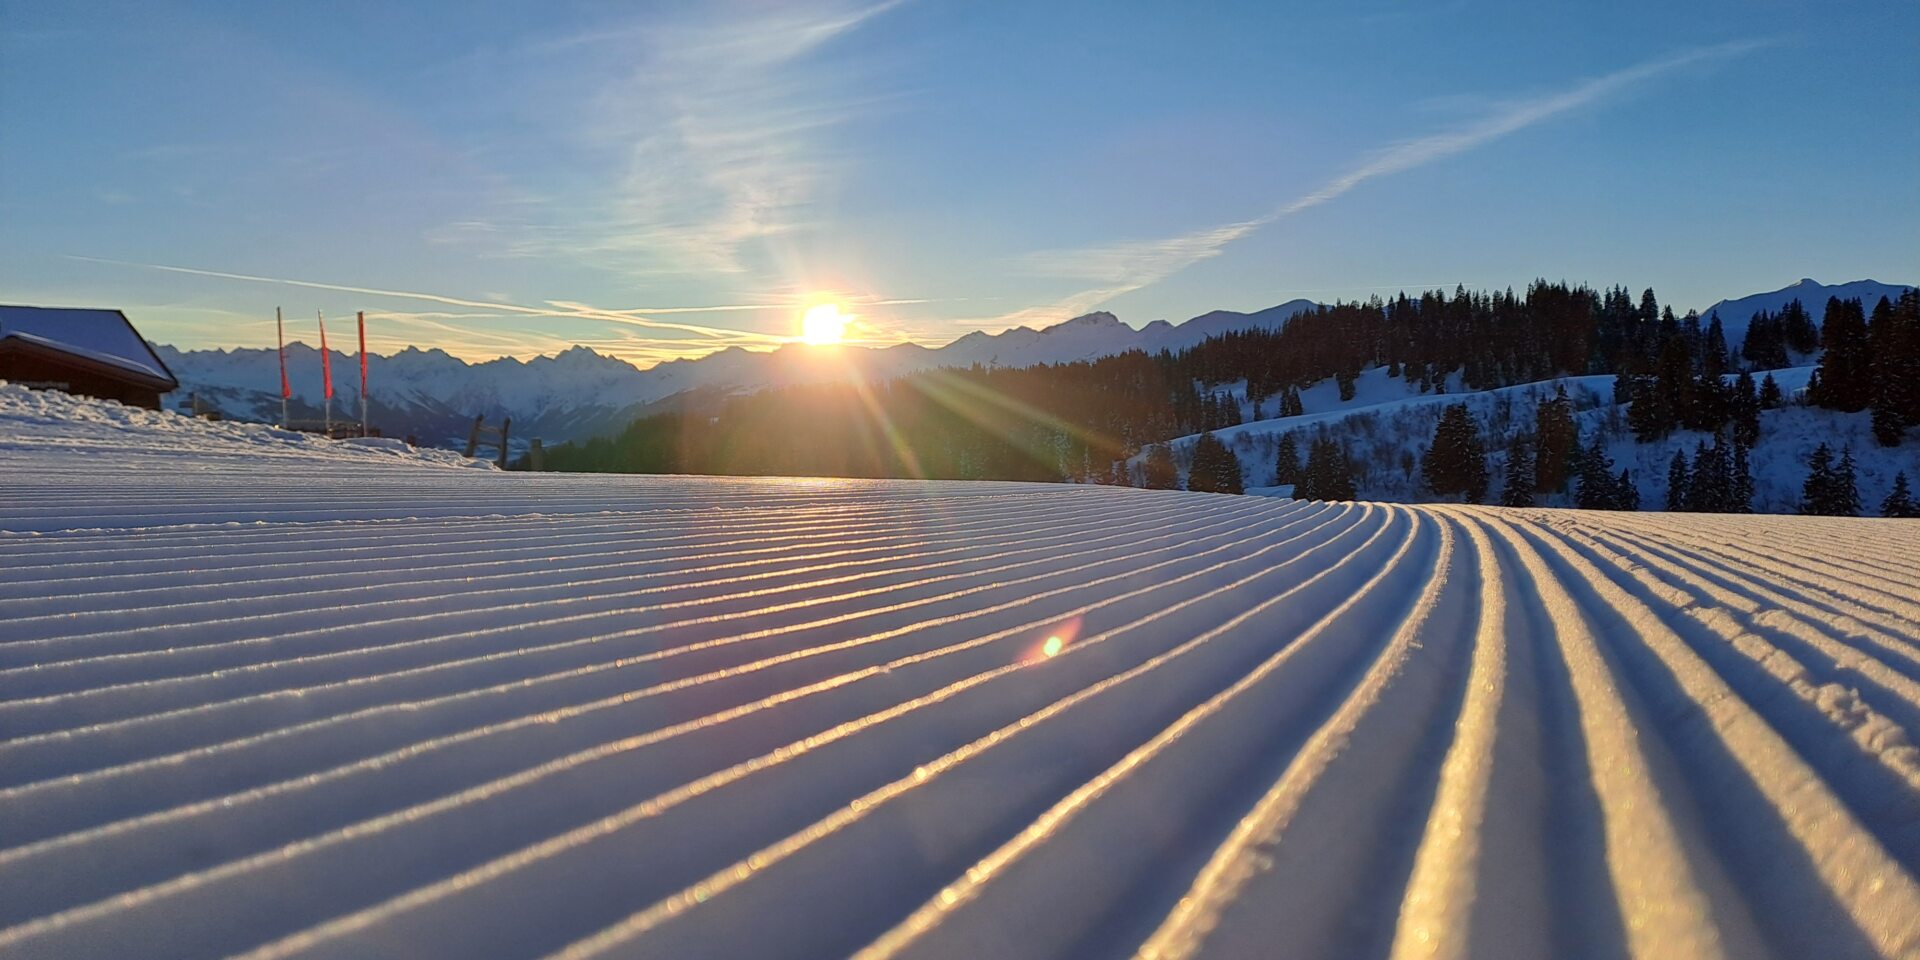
(465, 340)
(1123, 263)
(722, 335)
(1511, 119)
(1126, 267)
(718, 124)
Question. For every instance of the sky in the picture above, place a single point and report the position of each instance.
(666, 179)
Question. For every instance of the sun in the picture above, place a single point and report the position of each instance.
(824, 324)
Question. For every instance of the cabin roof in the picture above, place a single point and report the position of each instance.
(103, 337)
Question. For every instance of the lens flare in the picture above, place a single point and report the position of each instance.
(824, 324)
(1051, 642)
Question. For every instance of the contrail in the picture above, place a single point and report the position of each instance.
(1134, 266)
(583, 312)
(1425, 150)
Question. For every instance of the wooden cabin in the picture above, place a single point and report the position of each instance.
(93, 353)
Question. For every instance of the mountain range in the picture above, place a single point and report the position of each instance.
(1736, 314)
(433, 396)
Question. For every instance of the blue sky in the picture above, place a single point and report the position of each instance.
(664, 179)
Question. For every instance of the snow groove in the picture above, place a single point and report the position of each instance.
(313, 708)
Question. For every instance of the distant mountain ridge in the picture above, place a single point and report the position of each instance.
(1735, 315)
(580, 393)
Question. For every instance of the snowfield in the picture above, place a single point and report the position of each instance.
(43, 422)
(1388, 426)
(338, 702)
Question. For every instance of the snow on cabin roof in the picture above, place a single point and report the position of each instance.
(103, 336)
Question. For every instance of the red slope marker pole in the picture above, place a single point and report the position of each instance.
(326, 370)
(363, 373)
(286, 388)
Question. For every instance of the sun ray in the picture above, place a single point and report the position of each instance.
(824, 325)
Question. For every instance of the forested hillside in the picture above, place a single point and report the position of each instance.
(1643, 372)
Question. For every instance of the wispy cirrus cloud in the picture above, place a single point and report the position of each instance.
(713, 336)
(1119, 268)
(1125, 267)
(471, 333)
(718, 124)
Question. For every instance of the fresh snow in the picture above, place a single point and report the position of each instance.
(1386, 416)
(1388, 425)
(273, 696)
(36, 423)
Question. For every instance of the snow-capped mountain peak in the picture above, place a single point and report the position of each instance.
(581, 393)
(1735, 315)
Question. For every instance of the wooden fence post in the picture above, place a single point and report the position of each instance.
(504, 424)
(536, 456)
(473, 436)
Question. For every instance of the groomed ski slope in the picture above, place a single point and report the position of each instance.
(335, 708)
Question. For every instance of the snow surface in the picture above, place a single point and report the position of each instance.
(343, 704)
(1388, 425)
(1386, 416)
(44, 422)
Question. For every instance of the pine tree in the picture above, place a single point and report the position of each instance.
(1816, 492)
(1313, 474)
(1290, 405)
(1888, 426)
(1713, 486)
(1742, 501)
(1517, 489)
(1716, 482)
(1846, 495)
(1161, 474)
(1624, 384)
(1903, 377)
(1328, 474)
(1765, 346)
(1770, 398)
(1900, 502)
(1895, 346)
(1339, 479)
(1713, 357)
(1745, 411)
(1626, 494)
(1456, 462)
(1678, 480)
(1648, 414)
(1673, 387)
(1286, 468)
(1712, 403)
(1215, 468)
(1845, 371)
(1557, 442)
(1597, 490)
(1796, 327)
